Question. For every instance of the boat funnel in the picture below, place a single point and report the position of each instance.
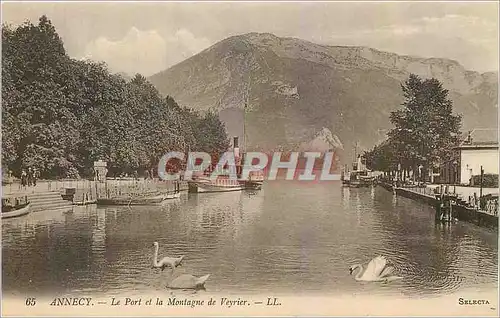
(236, 148)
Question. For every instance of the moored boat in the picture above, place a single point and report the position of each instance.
(205, 185)
(359, 179)
(174, 195)
(128, 200)
(204, 181)
(359, 176)
(14, 207)
(255, 181)
(85, 202)
(345, 176)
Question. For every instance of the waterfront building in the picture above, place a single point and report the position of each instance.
(478, 148)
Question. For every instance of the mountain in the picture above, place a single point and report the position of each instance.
(295, 90)
(323, 141)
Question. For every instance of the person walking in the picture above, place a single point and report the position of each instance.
(35, 176)
(24, 179)
(30, 177)
(11, 177)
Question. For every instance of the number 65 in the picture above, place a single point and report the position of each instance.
(30, 301)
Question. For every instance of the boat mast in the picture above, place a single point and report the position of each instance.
(244, 127)
(355, 160)
(247, 99)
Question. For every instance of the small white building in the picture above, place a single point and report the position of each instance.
(476, 153)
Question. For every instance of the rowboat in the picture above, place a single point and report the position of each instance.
(85, 202)
(151, 200)
(16, 211)
(175, 195)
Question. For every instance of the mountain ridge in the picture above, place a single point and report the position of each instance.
(294, 88)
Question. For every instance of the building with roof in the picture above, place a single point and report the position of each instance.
(478, 149)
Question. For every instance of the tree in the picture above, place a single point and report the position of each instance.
(425, 129)
(38, 119)
(381, 157)
(211, 135)
(60, 115)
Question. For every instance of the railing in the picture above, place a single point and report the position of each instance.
(422, 190)
(15, 187)
(92, 189)
(489, 206)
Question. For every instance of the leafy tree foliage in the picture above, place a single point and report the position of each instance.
(425, 129)
(381, 157)
(60, 115)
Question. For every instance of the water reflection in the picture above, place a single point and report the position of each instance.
(289, 237)
(429, 252)
(345, 198)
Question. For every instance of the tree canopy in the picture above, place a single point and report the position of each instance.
(60, 114)
(425, 129)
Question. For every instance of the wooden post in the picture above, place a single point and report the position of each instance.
(481, 184)
(96, 192)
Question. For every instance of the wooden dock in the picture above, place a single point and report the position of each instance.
(122, 192)
(461, 212)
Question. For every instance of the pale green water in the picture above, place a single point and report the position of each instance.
(290, 237)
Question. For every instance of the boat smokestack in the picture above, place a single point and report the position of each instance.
(360, 163)
(236, 148)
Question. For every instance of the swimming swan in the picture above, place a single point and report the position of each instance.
(376, 270)
(186, 281)
(166, 261)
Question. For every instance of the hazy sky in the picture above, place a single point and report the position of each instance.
(149, 37)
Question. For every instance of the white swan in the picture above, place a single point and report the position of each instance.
(187, 281)
(166, 261)
(376, 270)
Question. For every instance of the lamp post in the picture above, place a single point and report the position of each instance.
(469, 174)
(455, 172)
(455, 176)
(399, 172)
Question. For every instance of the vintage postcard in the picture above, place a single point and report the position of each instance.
(239, 158)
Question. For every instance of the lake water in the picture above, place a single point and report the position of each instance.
(290, 237)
